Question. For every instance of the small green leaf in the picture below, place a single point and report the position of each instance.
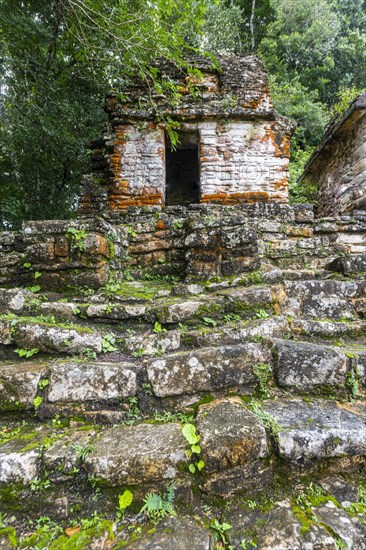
(27, 265)
(189, 432)
(125, 500)
(34, 288)
(192, 468)
(37, 274)
(200, 465)
(210, 322)
(196, 449)
(188, 453)
(42, 384)
(37, 401)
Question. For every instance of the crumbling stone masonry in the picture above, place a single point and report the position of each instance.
(233, 146)
(338, 166)
(197, 242)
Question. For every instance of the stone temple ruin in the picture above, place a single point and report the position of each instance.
(188, 291)
(233, 147)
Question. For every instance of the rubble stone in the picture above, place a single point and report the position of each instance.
(317, 429)
(303, 366)
(85, 381)
(231, 435)
(137, 454)
(19, 384)
(207, 369)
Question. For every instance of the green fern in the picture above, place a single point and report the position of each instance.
(158, 507)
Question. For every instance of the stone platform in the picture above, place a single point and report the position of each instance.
(261, 349)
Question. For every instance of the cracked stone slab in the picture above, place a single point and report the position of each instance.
(63, 310)
(318, 429)
(19, 384)
(282, 531)
(137, 454)
(305, 366)
(274, 327)
(178, 312)
(231, 435)
(13, 300)
(351, 264)
(255, 475)
(61, 339)
(116, 312)
(79, 381)
(206, 369)
(248, 297)
(182, 533)
(152, 344)
(350, 530)
(19, 457)
(63, 454)
(322, 299)
(326, 328)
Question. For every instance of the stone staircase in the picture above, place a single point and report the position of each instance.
(269, 367)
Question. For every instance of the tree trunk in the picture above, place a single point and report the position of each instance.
(251, 24)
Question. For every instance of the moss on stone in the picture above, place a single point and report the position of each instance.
(84, 538)
(9, 535)
(21, 435)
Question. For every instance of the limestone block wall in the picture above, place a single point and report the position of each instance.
(243, 161)
(55, 254)
(239, 161)
(199, 242)
(342, 173)
(137, 165)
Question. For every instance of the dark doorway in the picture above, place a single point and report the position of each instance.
(182, 170)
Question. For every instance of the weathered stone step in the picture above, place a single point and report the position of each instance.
(64, 383)
(288, 526)
(274, 366)
(329, 299)
(282, 525)
(327, 329)
(244, 301)
(236, 332)
(225, 368)
(235, 445)
(351, 264)
(303, 367)
(49, 337)
(308, 430)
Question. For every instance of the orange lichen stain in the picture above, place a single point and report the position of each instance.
(120, 185)
(235, 198)
(299, 232)
(281, 185)
(101, 246)
(282, 145)
(254, 104)
(120, 202)
(279, 140)
(160, 224)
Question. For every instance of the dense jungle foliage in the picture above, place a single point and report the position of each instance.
(59, 57)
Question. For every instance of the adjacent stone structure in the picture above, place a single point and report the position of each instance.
(338, 166)
(232, 148)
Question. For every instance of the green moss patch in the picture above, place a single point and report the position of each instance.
(84, 538)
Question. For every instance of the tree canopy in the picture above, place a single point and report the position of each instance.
(59, 57)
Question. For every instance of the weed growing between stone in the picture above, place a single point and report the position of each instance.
(158, 507)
